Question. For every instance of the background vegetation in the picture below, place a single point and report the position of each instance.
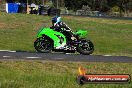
(100, 5)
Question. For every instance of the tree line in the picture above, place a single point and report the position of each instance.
(98, 5)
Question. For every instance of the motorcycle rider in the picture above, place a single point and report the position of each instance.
(58, 25)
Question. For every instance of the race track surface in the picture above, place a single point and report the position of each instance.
(13, 55)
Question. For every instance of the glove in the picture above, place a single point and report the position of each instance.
(62, 25)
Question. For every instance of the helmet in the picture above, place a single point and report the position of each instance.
(56, 20)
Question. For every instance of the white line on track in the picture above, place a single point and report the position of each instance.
(6, 56)
(107, 55)
(6, 51)
(68, 53)
(32, 57)
(11, 51)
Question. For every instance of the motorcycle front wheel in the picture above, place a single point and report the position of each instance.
(86, 47)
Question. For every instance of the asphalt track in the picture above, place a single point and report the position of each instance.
(13, 55)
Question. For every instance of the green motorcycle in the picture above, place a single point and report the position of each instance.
(50, 40)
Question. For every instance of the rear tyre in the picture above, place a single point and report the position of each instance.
(86, 47)
(43, 44)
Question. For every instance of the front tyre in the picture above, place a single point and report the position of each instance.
(43, 45)
(85, 47)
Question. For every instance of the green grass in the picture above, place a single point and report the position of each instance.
(110, 36)
(51, 74)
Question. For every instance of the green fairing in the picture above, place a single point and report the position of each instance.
(52, 34)
(81, 33)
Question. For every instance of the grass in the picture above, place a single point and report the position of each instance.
(110, 36)
(51, 74)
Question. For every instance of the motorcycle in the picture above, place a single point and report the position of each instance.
(49, 40)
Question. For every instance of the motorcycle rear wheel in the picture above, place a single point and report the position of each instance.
(43, 45)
